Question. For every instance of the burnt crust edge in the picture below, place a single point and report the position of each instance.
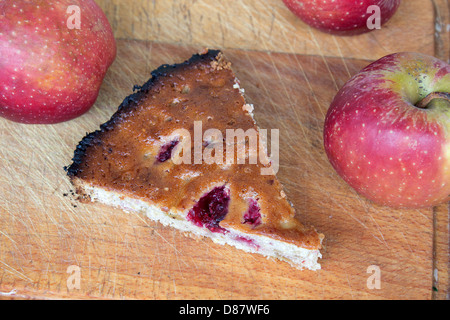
(132, 101)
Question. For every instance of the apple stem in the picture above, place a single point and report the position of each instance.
(434, 95)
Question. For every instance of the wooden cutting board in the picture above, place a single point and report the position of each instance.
(49, 241)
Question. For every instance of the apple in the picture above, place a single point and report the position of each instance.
(342, 17)
(387, 131)
(53, 58)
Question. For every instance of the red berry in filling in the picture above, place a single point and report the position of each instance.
(253, 215)
(211, 209)
(166, 151)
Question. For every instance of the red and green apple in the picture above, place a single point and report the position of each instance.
(387, 131)
(343, 17)
(53, 58)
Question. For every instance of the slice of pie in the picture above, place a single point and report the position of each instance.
(144, 159)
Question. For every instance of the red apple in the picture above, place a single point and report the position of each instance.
(343, 17)
(53, 58)
(387, 131)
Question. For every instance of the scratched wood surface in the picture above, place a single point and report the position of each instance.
(265, 25)
(44, 231)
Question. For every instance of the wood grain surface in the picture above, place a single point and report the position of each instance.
(290, 73)
(265, 25)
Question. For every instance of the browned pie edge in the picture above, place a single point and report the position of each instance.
(131, 102)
